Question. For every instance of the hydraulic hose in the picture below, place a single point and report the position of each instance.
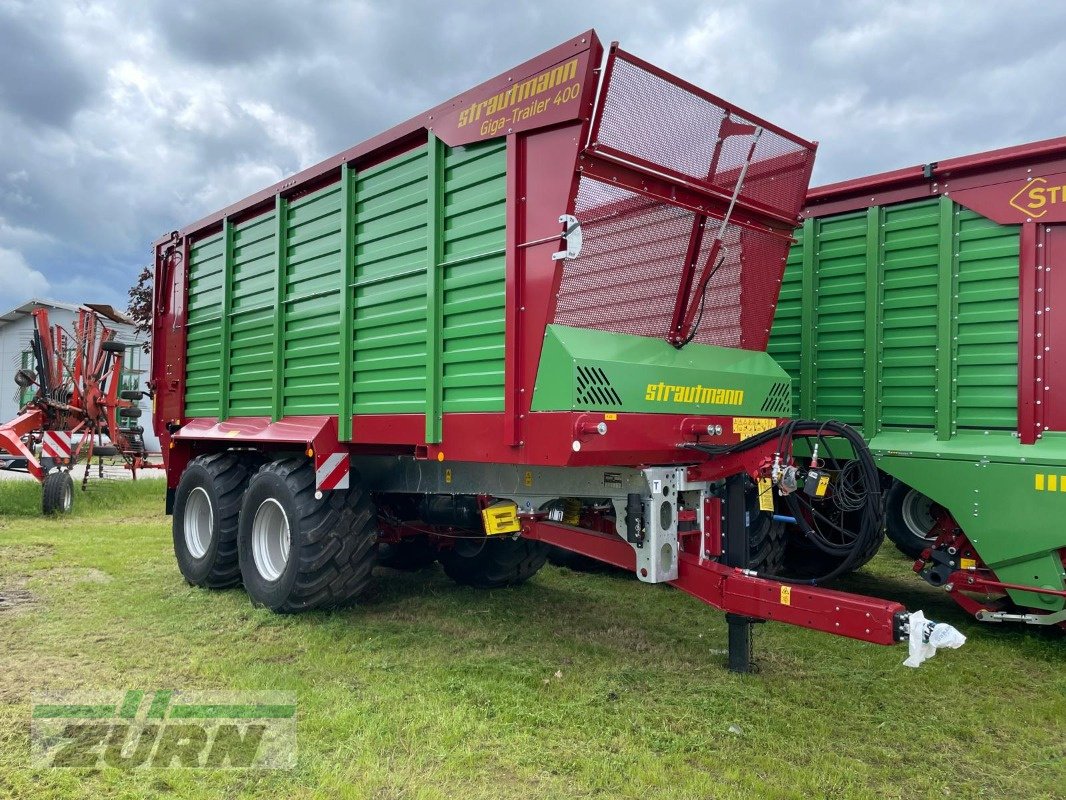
(872, 517)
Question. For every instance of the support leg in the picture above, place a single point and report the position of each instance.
(737, 554)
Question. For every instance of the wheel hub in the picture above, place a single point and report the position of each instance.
(198, 514)
(271, 539)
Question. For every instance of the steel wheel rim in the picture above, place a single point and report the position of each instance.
(271, 539)
(67, 500)
(918, 514)
(198, 522)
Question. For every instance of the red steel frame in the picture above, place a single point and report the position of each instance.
(544, 165)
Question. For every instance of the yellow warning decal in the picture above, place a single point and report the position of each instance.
(610, 417)
(786, 595)
(823, 484)
(766, 495)
(967, 563)
(746, 427)
(528, 479)
(1050, 482)
(500, 518)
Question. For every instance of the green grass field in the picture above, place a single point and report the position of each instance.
(572, 686)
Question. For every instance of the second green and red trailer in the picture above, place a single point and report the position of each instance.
(921, 306)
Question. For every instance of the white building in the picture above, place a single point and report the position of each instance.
(16, 331)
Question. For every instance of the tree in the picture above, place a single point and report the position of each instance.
(140, 306)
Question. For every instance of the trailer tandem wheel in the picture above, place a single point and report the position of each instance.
(490, 563)
(57, 493)
(206, 506)
(911, 519)
(297, 552)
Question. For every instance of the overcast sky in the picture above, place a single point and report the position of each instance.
(122, 121)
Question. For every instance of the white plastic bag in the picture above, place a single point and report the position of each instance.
(927, 637)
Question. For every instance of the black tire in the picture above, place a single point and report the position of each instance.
(490, 563)
(578, 562)
(332, 542)
(131, 394)
(132, 412)
(408, 555)
(57, 493)
(114, 347)
(909, 518)
(802, 559)
(205, 536)
(766, 542)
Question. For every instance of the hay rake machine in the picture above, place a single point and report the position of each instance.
(78, 409)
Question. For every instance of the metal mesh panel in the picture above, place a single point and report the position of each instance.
(626, 278)
(648, 116)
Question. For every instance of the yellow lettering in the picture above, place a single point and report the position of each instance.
(650, 393)
(1036, 197)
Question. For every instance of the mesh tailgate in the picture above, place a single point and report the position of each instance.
(627, 276)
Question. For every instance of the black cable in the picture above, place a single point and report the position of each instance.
(872, 516)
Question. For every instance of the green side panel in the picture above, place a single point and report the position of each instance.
(987, 358)
(203, 360)
(312, 304)
(939, 278)
(251, 329)
(588, 370)
(910, 261)
(389, 302)
(784, 344)
(988, 481)
(840, 314)
(472, 275)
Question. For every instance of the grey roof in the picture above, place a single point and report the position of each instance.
(28, 307)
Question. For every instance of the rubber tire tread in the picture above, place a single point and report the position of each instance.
(896, 528)
(229, 473)
(334, 540)
(501, 562)
(52, 491)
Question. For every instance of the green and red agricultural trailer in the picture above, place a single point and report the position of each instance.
(921, 307)
(535, 315)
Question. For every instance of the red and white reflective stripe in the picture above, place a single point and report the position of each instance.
(56, 444)
(332, 473)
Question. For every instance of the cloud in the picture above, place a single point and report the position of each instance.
(19, 281)
(122, 121)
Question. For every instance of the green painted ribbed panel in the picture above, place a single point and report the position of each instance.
(784, 343)
(204, 333)
(389, 330)
(389, 317)
(987, 395)
(982, 374)
(252, 317)
(840, 313)
(474, 233)
(911, 257)
(312, 304)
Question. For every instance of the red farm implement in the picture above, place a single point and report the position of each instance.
(535, 315)
(78, 404)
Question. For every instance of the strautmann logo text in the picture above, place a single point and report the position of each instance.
(708, 395)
